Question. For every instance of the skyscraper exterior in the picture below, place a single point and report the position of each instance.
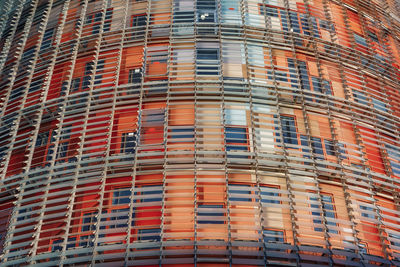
(199, 133)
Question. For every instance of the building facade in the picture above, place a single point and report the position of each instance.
(231, 132)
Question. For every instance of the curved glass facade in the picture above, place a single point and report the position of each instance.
(232, 132)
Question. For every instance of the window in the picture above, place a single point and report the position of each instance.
(182, 134)
(42, 139)
(88, 222)
(379, 105)
(394, 239)
(71, 243)
(305, 82)
(321, 86)
(107, 20)
(210, 214)
(236, 135)
(36, 85)
(370, 211)
(305, 147)
(360, 97)
(120, 221)
(240, 192)
(56, 245)
(269, 193)
(289, 130)
(207, 61)
(150, 235)
(373, 36)
(128, 143)
(62, 150)
(135, 76)
(149, 193)
(342, 150)
(121, 196)
(139, 20)
(183, 17)
(25, 217)
(273, 236)
(47, 39)
(360, 40)
(329, 213)
(89, 68)
(236, 140)
(255, 55)
(394, 158)
(235, 116)
(75, 83)
(86, 241)
(329, 147)
(206, 11)
(316, 145)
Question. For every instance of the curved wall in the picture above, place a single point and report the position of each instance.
(199, 132)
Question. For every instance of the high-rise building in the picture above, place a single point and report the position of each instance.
(199, 133)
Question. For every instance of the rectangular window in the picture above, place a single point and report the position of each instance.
(210, 214)
(305, 147)
(329, 147)
(321, 86)
(240, 192)
(115, 221)
(206, 11)
(139, 20)
(75, 83)
(56, 245)
(135, 76)
(394, 239)
(23, 211)
(89, 68)
(47, 39)
(150, 235)
(121, 196)
(235, 117)
(289, 130)
(149, 193)
(360, 40)
(42, 139)
(316, 145)
(342, 151)
(71, 243)
(207, 61)
(269, 194)
(329, 213)
(273, 236)
(370, 212)
(88, 222)
(236, 135)
(360, 97)
(128, 143)
(236, 140)
(305, 82)
(182, 134)
(62, 150)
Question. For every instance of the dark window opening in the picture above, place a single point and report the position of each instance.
(128, 143)
(212, 217)
(268, 193)
(289, 130)
(150, 193)
(207, 61)
(135, 76)
(121, 196)
(273, 236)
(240, 192)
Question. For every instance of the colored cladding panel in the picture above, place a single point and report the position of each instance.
(240, 132)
